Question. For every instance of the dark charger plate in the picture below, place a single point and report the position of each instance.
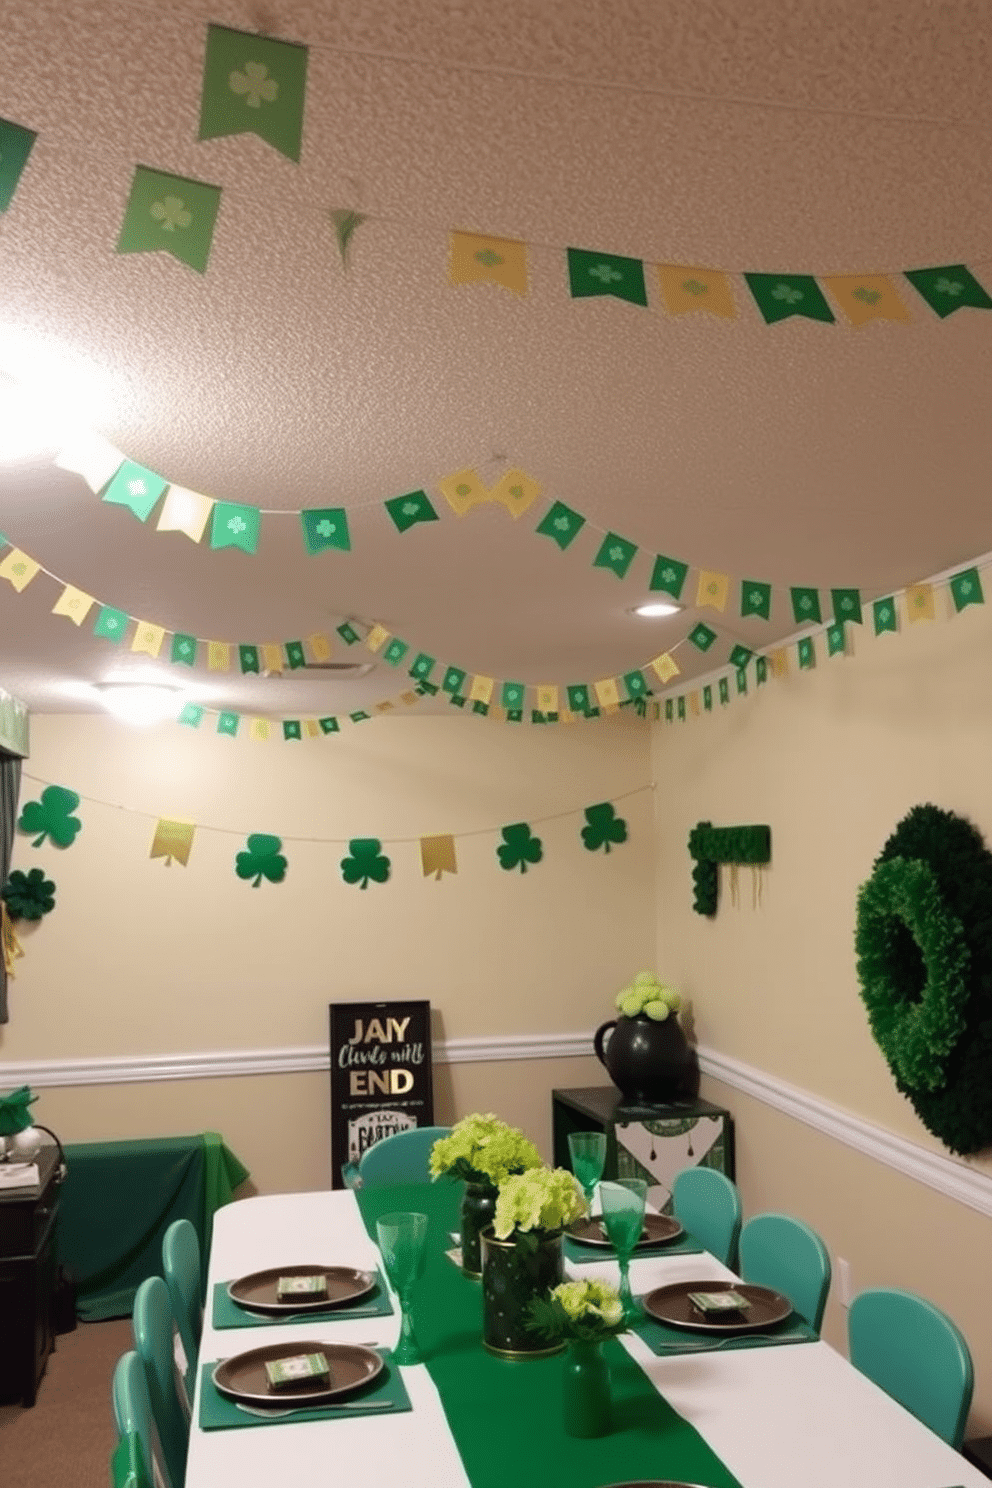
(657, 1229)
(670, 1304)
(257, 1292)
(243, 1377)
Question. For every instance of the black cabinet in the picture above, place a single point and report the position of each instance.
(27, 1281)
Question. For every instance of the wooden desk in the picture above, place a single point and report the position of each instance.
(27, 1281)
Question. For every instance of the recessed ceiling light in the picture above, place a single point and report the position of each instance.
(655, 609)
(140, 703)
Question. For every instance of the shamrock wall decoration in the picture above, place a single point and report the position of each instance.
(262, 860)
(519, 847)
(52, 817)
(604, 828)
(365, 861)
(28, 896)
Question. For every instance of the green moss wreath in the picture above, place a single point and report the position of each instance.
(924, 947)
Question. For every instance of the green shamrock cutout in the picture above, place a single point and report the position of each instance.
(28, 896)
(604, 827)
(262, 860)
(519, 847)
(366, 862)
(52, 817)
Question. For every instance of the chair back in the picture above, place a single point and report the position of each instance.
(153, 1341)
(181, 1268)
(784, 1253)
(708, 1205)
(916, 1354)
(135, 1450)
(401, 1158)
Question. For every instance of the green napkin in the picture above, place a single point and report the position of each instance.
(583, 1255)
(661, 1339)
(227, 1314)
(217, 1413)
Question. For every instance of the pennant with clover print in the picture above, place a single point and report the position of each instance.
(847, 605)
(778, 296)
(919, 602)
(170, 214)
(756, 598)
(884, 615)
(807, 652)
(184, 648)
(519, 847)
(15, 147)
(18, 569)
(111, 624)
(668, 576)
(711, 590)
(806, 606)
(966, 589)
(406, 511)
(499, 260)
(74, 604)
(708, 699)
(254, 85)
(616, 554)
(136, 488)
(740, 656)
(516, 490)
(836, 640)
(701, 636)
(326, 528)
(865, 297)
(184, 511)
(591, 274)
(235, 526)
(603, 827)
(696, 289)
(561, 524)
(949, 288)
(192, 715)
(723, 686)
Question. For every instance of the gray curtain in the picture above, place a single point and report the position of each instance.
(10, 784)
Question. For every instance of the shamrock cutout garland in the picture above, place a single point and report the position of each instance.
(604, 828)
(519, 848)
(366, 861)
(262, 860)
(52, 817)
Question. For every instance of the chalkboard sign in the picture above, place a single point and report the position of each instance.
(381, 1076)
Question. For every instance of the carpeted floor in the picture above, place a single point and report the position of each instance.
(68, 1435)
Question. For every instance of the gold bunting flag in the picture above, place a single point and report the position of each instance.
(547, 698)
(864, 297)
(311, 728)
(497, 260)
(9, 942)
(665, 667)
(516, 490)
(185, 511)
(780, 663)
(410, 698)
(272, 662)
(259, 730)
(685, 289)
(148, 638)
(386, 706)
(173, 841)
(74, 604)
(463, 490)
(712, 590)
(919, 602)
(607, 692)
(694, 704)
(320, 646)
(92, 457)
(377, 637)
(18, 569)
(218, 656)
(481, 690)
(437, 855)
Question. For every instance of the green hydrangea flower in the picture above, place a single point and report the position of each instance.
(483, 1149)
(540, 1199)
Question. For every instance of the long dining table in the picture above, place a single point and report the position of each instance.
(770, 1416)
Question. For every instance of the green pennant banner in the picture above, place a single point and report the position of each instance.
(234, 526)
(756, 598)
(248, 657)
(422, 666)
(761, 670)
(453, 680)
(591, 274)
(292, 729)
(348, 634)
(636, 684)
(360, 716)
(723, 686)
(669, 710)
(184, 650)
(395, 651)
(191, 715)
(741, 678)
(326, 528)
(668, 576)
(171, 214)
(807, 652)
(514, 715)
(407, 511)
(708, 698)
(949, 288)
(847, 605)
(616, 554)
(295, 655)
(578, 697)
(561, 524)
(680, 707)
(15, 147)
(702, 636)
(135, 487)
(254, 85)
(835, 639)
(806, 606)
(512, 696)
(329, 725)
(778, 296)
(227, 723)
(111, 624)
(480, 707)
(966, 589)
(884, 615)
(740, 656)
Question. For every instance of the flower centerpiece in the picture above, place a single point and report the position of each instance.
(483, 1151)
(521, 1256)
(647, 1055)
(584, 1314)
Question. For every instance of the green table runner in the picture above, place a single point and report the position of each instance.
(218, 1413)
(505, 1415)
(227, 1314)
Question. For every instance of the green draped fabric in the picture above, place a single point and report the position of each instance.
(505, 1415)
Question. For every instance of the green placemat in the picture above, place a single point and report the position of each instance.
(661, 1339)
(217, 1413)
(584, 1255)
(227, 1314)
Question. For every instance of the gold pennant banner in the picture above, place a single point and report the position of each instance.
(665, 666)
(437, 855)
(516, 490)
(463, 490)
(218, 656)
(74, 604)
(919, 602)
(712, 589)
(864, 297)
(173, 841)
(473, 259)
(148, 638)
(9, 941)
(18, 569)
(685, 290)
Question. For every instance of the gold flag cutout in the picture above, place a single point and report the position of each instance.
(780, 663)
(271, 659)
(864, 297)
(377, 637)
(259, 730)
(9, 941)
(685, 289)
(18, 569)
(218, 656)
(547, 698)
(185, 511)
(320, 646)
(481, 690)
(173, 839)
(516, 490)
(463, 490)
(437, 855)
(607, 692)
(919, 602)
(712, 590)
(666, 666)
(148, 638)
(74, 604)
(498, 260)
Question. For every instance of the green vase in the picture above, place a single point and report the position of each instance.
(512, 1276)
(477, 1212)
(585, 1387)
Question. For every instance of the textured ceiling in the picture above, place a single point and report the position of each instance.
(778, 137)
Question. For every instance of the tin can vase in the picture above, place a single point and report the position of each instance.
(477, 1213)
(512, 1276)
(585, 1390)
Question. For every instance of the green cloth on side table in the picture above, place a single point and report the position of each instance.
(218, 1413)
(518, 1402)
(227, 1313)
(661, 1339)
(584, 1255)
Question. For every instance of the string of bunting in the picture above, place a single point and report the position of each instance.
(52, 819)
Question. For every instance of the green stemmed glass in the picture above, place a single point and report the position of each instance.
(402, 1243)
(587, 1150)
(623, 1216)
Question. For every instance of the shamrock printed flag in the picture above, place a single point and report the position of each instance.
(171, 214)
(184, 650)
(761, 670)
(248, 657)
(262, 859)
(865, 297)
(422, 666)
(836, 644)
(463, 490)
(665, 666)
(723, 686)
(136, 488)
(254, 85)
(18, 569)
(519, 847)
(499, 260)
(884, 615)
(516, 490)
(228, 722)
(806, 605)
(235, 526)
(52, 817)
(740, 656)
(702, 636)
(919, 602)
(561, 524)
(756, 598)
(807, 652)
(110, 624)
(686, 289)
(603, 827)
(740, 677)
(327, 528)
(148, 638)
(616, 554)
(636, 684)
(780, 295)
(592, 274)
(15, 147)
(668, 576)
(192, 715)
(406, 511)
(708, 698)
(292, 729)
(512, 696)
(348, 633)
(74, 604)
(453, 680)
(366, 862)
(949, 288)
(847, 604)
(395, 651)
(966, 589)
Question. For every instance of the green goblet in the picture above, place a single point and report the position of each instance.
(623, 1216)
(402, 1242)
(588, 1153)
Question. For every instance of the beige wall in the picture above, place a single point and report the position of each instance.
(832, 760)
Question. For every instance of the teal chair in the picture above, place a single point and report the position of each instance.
(916, 1354)
(181, 1268)
(401, 1158)
(707, 1204)
(153, 1340)
(783, 1253)
(132, 1458)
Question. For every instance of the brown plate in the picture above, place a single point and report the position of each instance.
(670, 1304)
(657, 1229)
(257, 1292)
(652, 1483)
(243, 1377)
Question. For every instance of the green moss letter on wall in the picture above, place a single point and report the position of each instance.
(710, 846)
